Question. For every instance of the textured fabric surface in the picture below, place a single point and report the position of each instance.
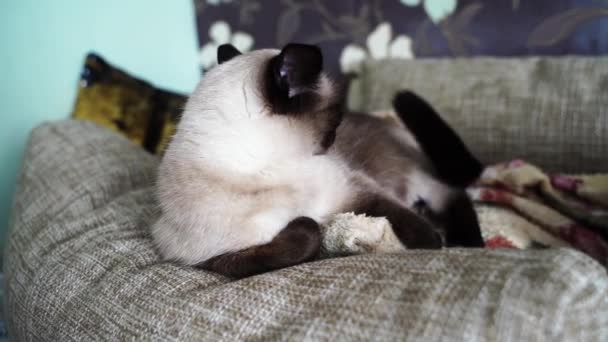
(81, 266)
(552, 112)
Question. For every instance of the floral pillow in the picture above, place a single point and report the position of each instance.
(349, 31)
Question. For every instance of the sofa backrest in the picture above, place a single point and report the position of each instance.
(550, 111)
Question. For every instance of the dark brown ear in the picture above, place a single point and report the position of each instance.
(297, 68)
(292, 77)
(226, 52)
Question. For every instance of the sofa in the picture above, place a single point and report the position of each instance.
(80, 263)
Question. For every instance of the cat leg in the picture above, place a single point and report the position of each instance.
(452, 160)
(462, 227)
(454, 163)
(297, 243)
(411, 229)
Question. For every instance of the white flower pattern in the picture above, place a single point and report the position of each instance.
(220, 33)
(437, 28)
(379, 45)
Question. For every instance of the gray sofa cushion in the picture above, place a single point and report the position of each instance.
(81, 266)
(552, 112)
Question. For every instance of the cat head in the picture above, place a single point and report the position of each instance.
(262, 85)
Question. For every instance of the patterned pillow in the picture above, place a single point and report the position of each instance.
(116, 100)
(350, 31)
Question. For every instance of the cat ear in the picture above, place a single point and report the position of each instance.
(226, 52)
(297, 68)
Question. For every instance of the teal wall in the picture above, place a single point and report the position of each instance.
(43, 44)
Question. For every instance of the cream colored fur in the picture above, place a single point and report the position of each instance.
(234, 175)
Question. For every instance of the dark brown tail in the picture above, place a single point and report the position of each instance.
(454, 163)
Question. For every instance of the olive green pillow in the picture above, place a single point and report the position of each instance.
(116, 100)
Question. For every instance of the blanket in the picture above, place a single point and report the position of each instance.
(518, 205)
(557, 210)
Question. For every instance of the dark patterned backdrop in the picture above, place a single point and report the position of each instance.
(351, 30)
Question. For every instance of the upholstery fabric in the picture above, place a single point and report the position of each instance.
(552, 112)
(81, 266)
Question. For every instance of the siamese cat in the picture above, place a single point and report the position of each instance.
(265, 152)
